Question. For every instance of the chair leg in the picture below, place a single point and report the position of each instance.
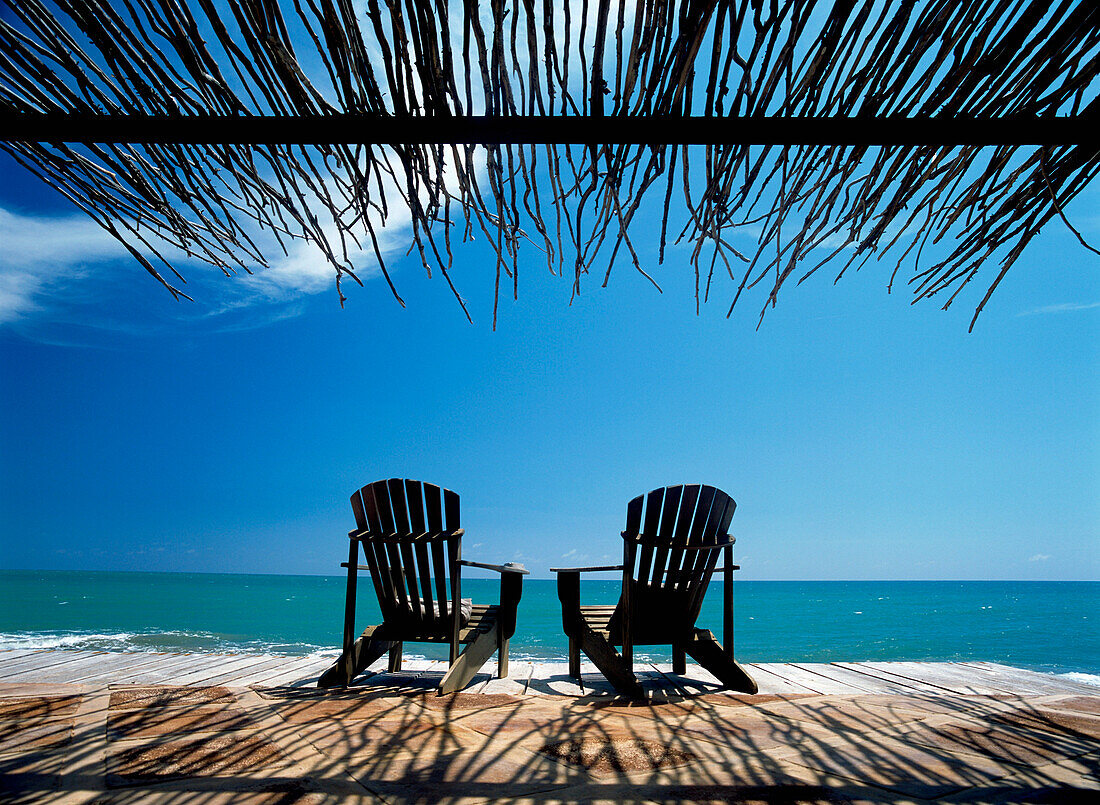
(395, 657)
(710, 654)
(469, 662)
(609, 662)
(679, 660)
(366, 649)
(574, 658)
(502, 655)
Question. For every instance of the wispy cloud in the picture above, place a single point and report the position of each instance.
(51, 265)
(1039, 557)
(1063, 308)
(42, 254)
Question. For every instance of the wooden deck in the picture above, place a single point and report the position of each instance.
(57, 666)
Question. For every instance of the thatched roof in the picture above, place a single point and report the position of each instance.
(823, 133)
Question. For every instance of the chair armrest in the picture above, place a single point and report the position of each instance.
(360, 535)
(722, 569)
(726, 544)
(585, 569)
(507, 567)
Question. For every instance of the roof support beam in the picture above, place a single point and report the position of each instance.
(352, 129)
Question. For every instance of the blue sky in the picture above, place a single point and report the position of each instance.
(862, 437)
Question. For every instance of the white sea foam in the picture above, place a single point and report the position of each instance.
(1086, 679)
(151, 641)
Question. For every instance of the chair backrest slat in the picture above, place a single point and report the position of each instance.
(407, 541)
(414, 497)
(400, 509)
(665, 523)
(669, 508)
(652, 521)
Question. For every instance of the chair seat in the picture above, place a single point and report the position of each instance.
(482, 618)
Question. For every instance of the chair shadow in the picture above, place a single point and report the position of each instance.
(392, 737)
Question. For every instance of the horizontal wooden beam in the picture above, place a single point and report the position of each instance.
(377, 130)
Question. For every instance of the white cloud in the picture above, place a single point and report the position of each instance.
(1039, 557)
(39, 254)
(1063, 308)
(42, 259)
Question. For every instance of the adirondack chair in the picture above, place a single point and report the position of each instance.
(671, 545)
(413, 547)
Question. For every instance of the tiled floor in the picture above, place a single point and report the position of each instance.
(74, 743)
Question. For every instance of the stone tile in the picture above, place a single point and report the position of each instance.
(424, 733)
(33, 735)
(969, 706)
(281, 793)
(234, 753)
(720, 777)
(24, 707)
(1074, 781)
(172, 720)
(841, 713)
(1007, 746)
(455, 702)
(346, 709)
(617, 752)
(50, 689)
(128, 697)
(750, 700)
(531, 723)
(1080, 704)
(31, 776)
(1068, 725)
(908, 769)
(407, 777)
(746, 731)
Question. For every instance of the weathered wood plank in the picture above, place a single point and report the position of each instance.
(770, 682)
(205, 673)
(906, 685)
(115, 665)
(10, 654)
(298, 675)
(954, 681)
(47, 658)
(847, 677)
(187, 671)
(64, 666)
(57, 669)
(161, 671)
(1025, 680)
(289, 666)
(231, 673)
(812, 683)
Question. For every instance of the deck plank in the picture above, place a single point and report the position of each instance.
(811, 682)
(46, 658)
(1023, 679)
(843, 676)
(292, 665)
(951, 680)
(114, 665)
(71, 666)
(58, 668)
(772, 683)
(231, 672)
(892, 678)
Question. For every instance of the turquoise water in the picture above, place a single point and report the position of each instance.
(1045, 626)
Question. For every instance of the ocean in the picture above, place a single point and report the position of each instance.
(1044, 626)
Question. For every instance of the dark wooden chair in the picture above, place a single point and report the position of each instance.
(413, 547)
(671, 545)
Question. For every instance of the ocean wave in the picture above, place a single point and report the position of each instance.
(154, 641)
(1085, 679)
